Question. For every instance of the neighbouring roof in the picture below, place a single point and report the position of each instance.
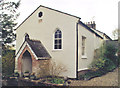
(80, 22)
(93, 31)
(102, 34)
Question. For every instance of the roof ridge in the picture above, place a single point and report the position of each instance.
(47, 8)
(35, 40)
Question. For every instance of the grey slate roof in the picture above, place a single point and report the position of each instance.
(38, 48)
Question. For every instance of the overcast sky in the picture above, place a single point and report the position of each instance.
(103, 12)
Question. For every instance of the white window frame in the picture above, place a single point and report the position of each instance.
(83, 53)
(58, 39)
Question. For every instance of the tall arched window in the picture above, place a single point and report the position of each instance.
(58, 39)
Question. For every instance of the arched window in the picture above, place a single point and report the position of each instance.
(58, 39)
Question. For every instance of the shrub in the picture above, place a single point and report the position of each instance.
(110, 52)
(105, 58)
(104, 64)
(56, 69)
(109, 65)
(91, 74)
(8, 62)
(57, 80)
(104, 61)
(98, 64)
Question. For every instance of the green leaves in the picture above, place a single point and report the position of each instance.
(8, 15)
(8, 62)
(57, 81)
(105, 58)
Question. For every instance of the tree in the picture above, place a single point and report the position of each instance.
(115, 34)
(8, 62)
(8, 15)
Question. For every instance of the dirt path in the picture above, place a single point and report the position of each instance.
(110, 79)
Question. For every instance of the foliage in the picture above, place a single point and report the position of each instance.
(104, 61)
(110, 52)
(53, 69)
(108, 66)
(98, 63)
(56, 69)
(118, 57)
(55, 80)
(115, 34)
(8, 15)
(8, 62)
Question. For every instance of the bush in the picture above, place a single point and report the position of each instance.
(110, 52)
(98, 63)
(104, 61)
(109, 65)
(56, 69)
(57, 80)
(104, 64)
(8, 62)
(105, 58)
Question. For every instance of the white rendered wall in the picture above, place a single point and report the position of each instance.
(44, 31)
(92, 42)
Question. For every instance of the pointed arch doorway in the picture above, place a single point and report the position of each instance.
(26, 62)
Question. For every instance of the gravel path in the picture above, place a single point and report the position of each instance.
(110, 79)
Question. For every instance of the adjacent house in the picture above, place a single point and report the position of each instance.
(49, 34)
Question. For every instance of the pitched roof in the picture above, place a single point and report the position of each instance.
(38, 48)
(102, 33)
(50, 9)
(80, 22)
(94, 31)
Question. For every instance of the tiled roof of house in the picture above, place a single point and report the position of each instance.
(38, 48)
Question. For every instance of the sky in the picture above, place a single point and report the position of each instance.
(103, 12)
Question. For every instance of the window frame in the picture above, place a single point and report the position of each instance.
(58, 39)
(83, 47)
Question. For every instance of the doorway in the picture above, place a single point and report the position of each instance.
(26, 62)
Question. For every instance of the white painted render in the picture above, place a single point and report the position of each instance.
(43, 29)
(92, 42)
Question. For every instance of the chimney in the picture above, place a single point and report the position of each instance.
(91, 24)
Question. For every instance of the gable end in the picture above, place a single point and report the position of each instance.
(50, 9)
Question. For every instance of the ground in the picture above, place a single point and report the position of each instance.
(110, 79)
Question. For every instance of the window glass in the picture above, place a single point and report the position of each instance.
(83, 45)
(58, 40)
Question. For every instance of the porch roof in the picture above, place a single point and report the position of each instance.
(38, 48)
